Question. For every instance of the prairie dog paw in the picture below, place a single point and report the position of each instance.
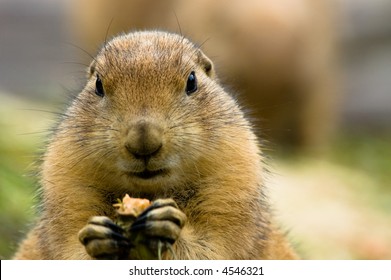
(160, 225)
(103, 239)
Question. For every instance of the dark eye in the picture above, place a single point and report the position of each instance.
(191, 85)
(99, 91)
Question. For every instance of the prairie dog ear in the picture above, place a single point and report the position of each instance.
(206, 64)
(91, 69)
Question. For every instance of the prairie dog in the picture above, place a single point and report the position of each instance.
(153, 122)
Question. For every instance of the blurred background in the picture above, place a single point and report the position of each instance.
(314, 75)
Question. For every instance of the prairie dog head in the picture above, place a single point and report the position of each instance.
(152, 116)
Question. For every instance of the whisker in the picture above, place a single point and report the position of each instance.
(107, 32)
(87, 53)
(75, 63)
(177, 22)
(35, 133)
(81, 49)
(45, 111)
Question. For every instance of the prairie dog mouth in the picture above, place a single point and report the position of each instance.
(148, 174)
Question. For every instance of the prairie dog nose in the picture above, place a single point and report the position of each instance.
(144, 139)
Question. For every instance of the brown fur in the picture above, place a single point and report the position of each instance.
(215, 164)
(281, 55)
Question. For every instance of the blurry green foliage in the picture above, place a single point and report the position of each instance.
(19, 145)
(369, 153)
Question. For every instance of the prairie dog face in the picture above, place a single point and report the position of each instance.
(152, 114)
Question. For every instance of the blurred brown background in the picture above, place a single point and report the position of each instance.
(314, 74)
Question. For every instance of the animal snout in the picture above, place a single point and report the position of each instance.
(144, 140)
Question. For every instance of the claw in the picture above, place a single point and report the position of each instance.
(106, 222)
(103, 239)
(93, 231)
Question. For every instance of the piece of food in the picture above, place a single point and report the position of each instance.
(130, 206)
(128, 210)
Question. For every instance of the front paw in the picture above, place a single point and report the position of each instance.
(103, 239)
(159, 226)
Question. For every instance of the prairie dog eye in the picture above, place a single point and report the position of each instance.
(99, 91)
(191, 85)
